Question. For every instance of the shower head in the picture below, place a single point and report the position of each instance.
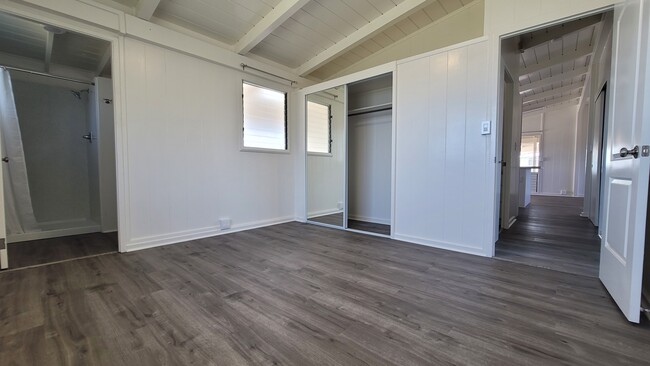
(77, 93)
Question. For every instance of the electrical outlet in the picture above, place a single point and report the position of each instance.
(224, 224)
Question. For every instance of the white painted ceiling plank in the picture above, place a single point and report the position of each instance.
(146, 8)
(106, 58)
(384, 21)
(283, 11)
(537, 38)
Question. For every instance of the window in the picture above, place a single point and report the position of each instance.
(530, 151)
(265, 118)
(319, 128)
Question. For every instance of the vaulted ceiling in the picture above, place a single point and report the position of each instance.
(315, 38)
(30, 45)
(555, 61)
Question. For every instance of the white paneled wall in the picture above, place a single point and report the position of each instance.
(185, 167)
(441, 156)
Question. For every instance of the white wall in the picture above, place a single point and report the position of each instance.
(441, 155)
(102, 125)
(559, 151)
(326, 173)
(185, 168)
(592, 109)
(511, 132)
(52, 121)
(369, 167)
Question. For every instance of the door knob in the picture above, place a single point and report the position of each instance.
(5, 159)
(625, 152)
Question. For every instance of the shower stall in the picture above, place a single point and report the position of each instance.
(58, 156)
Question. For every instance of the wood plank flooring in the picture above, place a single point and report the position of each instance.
(337, 220)
(35, 252)
(300, 294)
(550, 233)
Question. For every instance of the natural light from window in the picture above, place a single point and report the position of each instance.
(530, 151)
(265, 121)
(318, 128)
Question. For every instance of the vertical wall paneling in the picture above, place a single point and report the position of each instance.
(412, 138)
(186, 170)
(441, 154)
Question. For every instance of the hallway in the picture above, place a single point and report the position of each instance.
(550, 233)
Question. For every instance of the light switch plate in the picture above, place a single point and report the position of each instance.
(486, 128)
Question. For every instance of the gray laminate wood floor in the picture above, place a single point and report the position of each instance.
(35, 252)
(550, 233)
(299, 294)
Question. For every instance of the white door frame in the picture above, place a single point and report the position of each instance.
(117, 66)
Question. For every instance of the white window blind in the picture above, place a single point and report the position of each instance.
(318, 128)
(530, 151)
(265, 120)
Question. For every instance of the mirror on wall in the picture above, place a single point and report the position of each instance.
(326, 156)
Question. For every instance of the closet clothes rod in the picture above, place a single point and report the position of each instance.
(10, 68)
(369, 110)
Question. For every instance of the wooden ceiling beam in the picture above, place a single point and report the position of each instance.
(532, 107)
(553, 92)
(145, 8)
(283, 11)
(553, 79)
(570, 56)
(377, 25)
(49, 43)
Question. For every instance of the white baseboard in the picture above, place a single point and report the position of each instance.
(48, 234)
(182, 236)
(454, 247)
(373, 220)
(556, 195)
(323, 212)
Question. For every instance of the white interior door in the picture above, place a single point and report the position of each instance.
(626, 174)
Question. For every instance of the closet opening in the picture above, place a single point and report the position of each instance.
(369, 128)
(58, 144)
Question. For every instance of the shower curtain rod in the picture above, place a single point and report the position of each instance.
(46, 75)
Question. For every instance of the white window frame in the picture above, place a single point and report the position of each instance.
(245, 148)
(329, 130)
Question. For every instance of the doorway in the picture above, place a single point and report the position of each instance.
(559, 72)
(58, 145)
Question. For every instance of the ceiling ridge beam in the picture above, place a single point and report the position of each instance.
(553, 79)
(145, 8)
(574, 55)
(531, 41)
(547, 103)
(49, 44)
(276, 17)
(552, 92)
(377, 25)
